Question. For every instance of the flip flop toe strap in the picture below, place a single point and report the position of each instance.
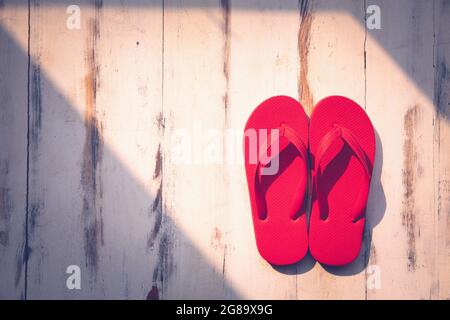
(345, 135)
(261, 169)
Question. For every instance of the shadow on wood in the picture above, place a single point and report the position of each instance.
(123, 238)
(391, 18)
(376, 208)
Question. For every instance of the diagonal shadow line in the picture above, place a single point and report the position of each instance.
(50, 153)
(396, 53)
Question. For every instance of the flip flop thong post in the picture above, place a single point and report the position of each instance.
(342, 148)
(276, 165)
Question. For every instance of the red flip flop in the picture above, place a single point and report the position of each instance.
(342, 147)
(276, 165)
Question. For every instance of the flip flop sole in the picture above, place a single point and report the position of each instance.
(280, 239)
(335, 233)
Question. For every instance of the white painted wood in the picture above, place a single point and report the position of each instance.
(331, 47)
(108, 192)
(128, 55)
(93, 182)
(57, 133)
(441, 287)
(263, 63)
(400, 104)
(195, 187)
(13, 148)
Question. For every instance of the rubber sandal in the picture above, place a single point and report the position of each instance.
(276, 165)
(342, 148)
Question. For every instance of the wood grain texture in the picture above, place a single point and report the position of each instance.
(194, 190)
(124, 60)
(441, 288)
(121, 144)
(13, 149)
(264, 63)
(60, 190)
(96, 102)
(400, 104)
(335, 61)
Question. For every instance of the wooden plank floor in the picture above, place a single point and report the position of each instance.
(120, 144)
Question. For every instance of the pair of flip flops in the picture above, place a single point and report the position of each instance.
(281, 148)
